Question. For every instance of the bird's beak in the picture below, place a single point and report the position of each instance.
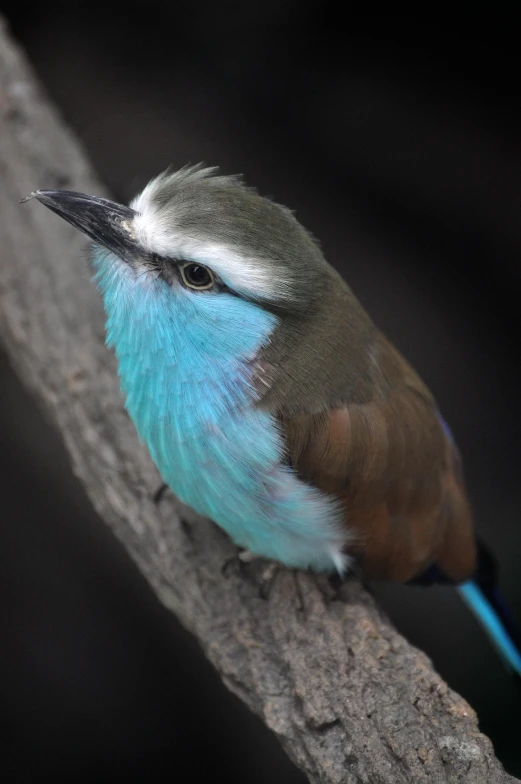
(106, 222)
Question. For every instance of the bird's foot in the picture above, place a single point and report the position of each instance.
(235, 560)
(246, 556)
(241, 557)
(251, 564)
(268, 578)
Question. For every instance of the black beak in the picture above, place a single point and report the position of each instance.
(106, 222)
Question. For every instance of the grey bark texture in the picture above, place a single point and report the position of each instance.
(349, 699)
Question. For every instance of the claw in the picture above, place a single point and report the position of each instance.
(159, 493)
(267, 579)
(234, 559)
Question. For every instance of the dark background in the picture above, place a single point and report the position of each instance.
(398, 143)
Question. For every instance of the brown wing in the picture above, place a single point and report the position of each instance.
(396, 472)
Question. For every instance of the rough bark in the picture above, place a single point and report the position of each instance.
(348, 697)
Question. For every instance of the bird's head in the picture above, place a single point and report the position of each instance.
(202, 258)
(203, 238)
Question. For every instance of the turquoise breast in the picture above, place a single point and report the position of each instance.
(185, 366)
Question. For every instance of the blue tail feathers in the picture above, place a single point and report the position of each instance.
(484, 598)
(481, 594)
(493, 621)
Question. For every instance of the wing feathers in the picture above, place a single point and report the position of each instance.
(396, 471)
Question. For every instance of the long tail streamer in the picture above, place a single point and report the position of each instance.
(490, 610)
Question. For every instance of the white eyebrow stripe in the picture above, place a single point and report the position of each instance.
(242, 274)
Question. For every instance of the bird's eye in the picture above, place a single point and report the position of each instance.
(196, 276)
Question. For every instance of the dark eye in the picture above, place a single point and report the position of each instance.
(195, 276)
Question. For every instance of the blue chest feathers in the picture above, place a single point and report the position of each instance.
(184, 363)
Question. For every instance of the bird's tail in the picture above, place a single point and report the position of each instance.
(482, 595)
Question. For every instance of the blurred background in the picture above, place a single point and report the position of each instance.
(397, 142)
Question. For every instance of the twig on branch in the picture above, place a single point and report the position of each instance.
(348, 697)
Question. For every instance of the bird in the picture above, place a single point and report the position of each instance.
(267, 397)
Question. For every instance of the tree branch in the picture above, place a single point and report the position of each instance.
(348, 697)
